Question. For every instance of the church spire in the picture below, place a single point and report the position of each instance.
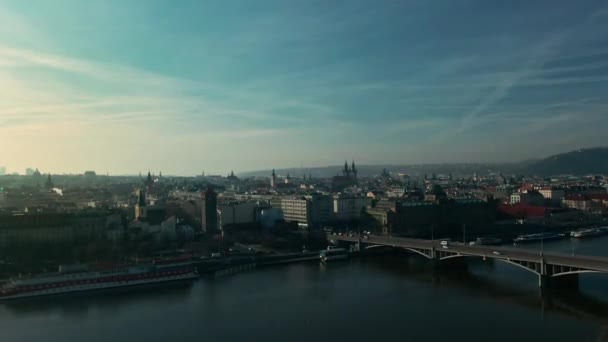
(49, 182)
(149, 180)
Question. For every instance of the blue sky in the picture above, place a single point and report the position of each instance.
(184, 86)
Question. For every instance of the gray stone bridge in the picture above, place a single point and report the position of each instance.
(551, 268)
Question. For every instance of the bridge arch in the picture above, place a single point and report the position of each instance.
(518, 265)
(456, 255)
(375, 246)
(417, 252)
(491, 257)
(561, 274)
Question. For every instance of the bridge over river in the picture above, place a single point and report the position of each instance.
(551, 268)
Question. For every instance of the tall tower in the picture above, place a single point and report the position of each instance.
(140, 207)
(354, 170)
(273, 179)
(49, 183)
(209, 214)
(346, 171)
(149, 180)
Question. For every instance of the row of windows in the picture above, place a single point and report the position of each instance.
(105, 280)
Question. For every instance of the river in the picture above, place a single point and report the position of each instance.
(397, 298)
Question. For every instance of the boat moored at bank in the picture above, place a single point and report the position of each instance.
(538, 237)
(590, 232)
(331, 254)
(80, 278)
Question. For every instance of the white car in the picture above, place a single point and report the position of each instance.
(496, 253)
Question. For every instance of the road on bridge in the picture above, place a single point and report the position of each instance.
(591, 263)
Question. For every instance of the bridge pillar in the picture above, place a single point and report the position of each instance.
(563, 282)
(543, 281)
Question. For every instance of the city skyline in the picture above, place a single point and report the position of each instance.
(121, 87)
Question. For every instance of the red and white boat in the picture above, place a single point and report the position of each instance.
(78, 278)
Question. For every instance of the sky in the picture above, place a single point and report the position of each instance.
(124, 86)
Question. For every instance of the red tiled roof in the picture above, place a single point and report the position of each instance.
(577, 197)
(526, 187)
(520, 210)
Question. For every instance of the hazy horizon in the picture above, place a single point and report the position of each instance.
(191, 86)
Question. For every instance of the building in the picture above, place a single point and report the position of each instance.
(581, 202)
(553, 194)
(149, 181)
(275, 201)
(310, 212)
(56, 228)
(387, 204)
(348, 178)
(446, 216)
(273, 179)
(231, 214)
(141, 207)
(90, 176)
(380, 218)
(347, 207)
(515, 198)
(528, 197)
(501, 192)
(49, 183)
(297, 210)
(269, 218)
(209, 218)
(321, 211)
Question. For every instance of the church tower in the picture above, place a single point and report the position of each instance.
(149, 182)
(346, 170)
(273, 179)
(140, 207)
(49, 183)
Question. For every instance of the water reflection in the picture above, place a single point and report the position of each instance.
(397, 297)
(573, 303)
(79, 304)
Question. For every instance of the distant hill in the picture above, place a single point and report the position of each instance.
(372, 170)
(579, 162)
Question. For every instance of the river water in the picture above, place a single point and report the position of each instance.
(396, 298)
